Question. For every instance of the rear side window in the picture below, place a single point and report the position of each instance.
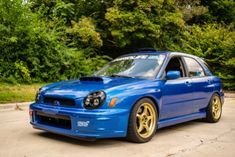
(194, 68)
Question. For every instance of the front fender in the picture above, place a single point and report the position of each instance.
(129, 95)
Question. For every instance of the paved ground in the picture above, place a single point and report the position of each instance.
(18, 139)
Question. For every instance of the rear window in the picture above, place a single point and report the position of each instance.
(194, 68)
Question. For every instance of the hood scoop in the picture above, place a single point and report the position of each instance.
(91, 79)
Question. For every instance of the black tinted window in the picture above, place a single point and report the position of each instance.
(194, 68)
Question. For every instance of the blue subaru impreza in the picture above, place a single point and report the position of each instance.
(132, 97)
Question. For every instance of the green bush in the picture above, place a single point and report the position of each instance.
(214, 43)
(51, 40)
(34, 49)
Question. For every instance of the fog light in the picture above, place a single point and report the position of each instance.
(113, 102)
(31, 115)
(30, 112)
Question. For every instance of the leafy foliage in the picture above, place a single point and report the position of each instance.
(134, 23)
(83, 34)
(214, 43)
(34, 49)
(221, 10)
(50, 40)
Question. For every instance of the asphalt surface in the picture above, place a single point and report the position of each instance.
(19, 139)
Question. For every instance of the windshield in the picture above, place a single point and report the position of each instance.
(145, 66)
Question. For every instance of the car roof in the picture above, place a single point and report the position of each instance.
(169, 53)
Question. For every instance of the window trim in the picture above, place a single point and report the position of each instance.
(156, 71)
(182, 63)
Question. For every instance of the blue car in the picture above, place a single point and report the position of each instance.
(132, 97)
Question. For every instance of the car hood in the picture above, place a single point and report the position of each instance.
(82, 87)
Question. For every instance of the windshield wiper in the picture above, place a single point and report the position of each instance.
(116, 75)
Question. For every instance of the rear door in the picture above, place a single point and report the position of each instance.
(201, 83)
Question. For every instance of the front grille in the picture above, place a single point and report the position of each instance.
(59, 101)
(58, 121)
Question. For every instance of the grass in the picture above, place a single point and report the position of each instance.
(10, 93)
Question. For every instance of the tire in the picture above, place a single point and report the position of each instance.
(214, 109)
(142, 121)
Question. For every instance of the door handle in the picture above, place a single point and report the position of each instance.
(188, 83)
(209, 81)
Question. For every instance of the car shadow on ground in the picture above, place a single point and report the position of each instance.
(113, 141)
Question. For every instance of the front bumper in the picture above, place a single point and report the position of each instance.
(98, 123)
(221, 94)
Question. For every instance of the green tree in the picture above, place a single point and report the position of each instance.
(144, 23)
(34, 48)
(214, 43)
(221, 10)
(49, 40)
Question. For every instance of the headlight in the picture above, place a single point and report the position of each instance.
(94, 100)
(38, 95)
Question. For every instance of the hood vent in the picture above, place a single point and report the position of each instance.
(92, 78)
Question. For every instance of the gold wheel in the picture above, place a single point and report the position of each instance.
(145, 120)
(216, 107)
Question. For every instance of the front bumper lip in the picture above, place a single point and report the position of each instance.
(76, 137)
(103, 123)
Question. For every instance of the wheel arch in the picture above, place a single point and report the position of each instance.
(215, 92)
(152, 99)
(130, 134)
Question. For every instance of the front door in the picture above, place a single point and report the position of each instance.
(177, 97)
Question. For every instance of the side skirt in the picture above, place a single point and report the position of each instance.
(181, 119)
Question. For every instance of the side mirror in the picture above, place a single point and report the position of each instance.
(170, 75)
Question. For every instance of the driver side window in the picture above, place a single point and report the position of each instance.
(175, 64)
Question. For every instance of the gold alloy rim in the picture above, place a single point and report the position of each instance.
(145, 120)
(216, 107)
